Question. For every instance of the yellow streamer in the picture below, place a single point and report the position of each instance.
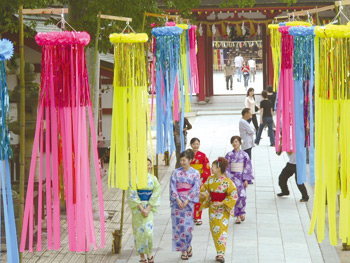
(130, 106)
(332, 126)
(276, 53)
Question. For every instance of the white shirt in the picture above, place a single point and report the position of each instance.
(239, 61)
(246, 131)
(250, 103)
(252, 63)
(292, 158)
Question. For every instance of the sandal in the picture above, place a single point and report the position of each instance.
(242, 217)
(220, 258)
(150, 260)
(198, 222)
(238, 220)
(189, 252)
(143, 261)
(184, 256)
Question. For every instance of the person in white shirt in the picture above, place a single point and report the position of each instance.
(251, 104)
(246, 132)
(252, 66)
(238, 64)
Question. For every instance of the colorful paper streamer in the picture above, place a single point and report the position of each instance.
(6, 52)
(61, 138)
(129, 117)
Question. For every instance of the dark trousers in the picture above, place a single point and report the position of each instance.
(249, 152)
(287, 172)
(229, 79)
(269, 122)
(255, 123)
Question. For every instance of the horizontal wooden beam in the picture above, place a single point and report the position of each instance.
(118, 18)
(312, 11)
(345, 2)
(45, 11)
(161, 15)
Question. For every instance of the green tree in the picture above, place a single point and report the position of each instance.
(249, 3)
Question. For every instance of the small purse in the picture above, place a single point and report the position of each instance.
(256, 108)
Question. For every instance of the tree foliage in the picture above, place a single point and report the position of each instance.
(249, 3)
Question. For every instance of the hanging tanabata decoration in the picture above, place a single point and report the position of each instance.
(276, 53)
(61, 137)
(193, 60)
(130, 102)
(285, 95)
(304, 100)
(332, 126)
(6, 52)
(167, 51)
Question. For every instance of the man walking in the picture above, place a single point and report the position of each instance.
(246, 132)
(252, 66)
(228, 72)
(238, 64)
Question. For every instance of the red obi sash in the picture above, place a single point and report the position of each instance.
(217, 197)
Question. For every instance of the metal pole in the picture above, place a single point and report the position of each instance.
(22, 125)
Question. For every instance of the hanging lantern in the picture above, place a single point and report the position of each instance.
(130, 101)
(61, 138)
(6, 52)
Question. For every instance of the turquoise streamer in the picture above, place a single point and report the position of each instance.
(303, 75)
(6, 52)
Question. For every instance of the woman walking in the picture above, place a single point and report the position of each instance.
(184, 192)
(219, 194)
(240, 172)
(144, 203)
(201, 164)
(251, 104)
(245, 72)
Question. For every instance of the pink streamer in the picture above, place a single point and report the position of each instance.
(285, 104)
(193, 60)
(64, 98)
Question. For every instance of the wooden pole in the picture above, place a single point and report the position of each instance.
(22, 125)
(44, 11)
(95, 57)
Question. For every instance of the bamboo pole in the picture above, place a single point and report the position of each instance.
(22, 125)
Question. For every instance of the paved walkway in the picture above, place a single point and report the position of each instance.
(275, 229)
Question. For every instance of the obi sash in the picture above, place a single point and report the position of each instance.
(183, 188)
(217, 197)
(198, 167)
(144, 195)
(237, 167)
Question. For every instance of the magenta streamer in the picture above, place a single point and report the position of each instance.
(64, 108)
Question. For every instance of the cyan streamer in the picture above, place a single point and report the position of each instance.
(304, 77)
(6, 52)
(167, 54)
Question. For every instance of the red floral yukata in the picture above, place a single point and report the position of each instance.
(201, 164)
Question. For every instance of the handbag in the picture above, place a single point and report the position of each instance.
(256, 108)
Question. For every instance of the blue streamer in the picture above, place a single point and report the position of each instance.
(304, 79)
(168, 55)
(6, 52)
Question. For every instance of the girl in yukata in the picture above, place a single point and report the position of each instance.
(143, 204)
(201, 164)
(240, 172)
(219, 194)
(184, 193)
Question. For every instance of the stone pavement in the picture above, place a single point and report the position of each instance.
(275, 229)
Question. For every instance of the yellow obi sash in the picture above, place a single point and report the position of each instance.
(198, 167)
